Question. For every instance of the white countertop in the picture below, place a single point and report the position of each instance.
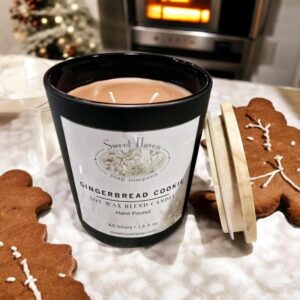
(198, 261)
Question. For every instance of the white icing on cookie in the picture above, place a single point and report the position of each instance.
(15, 252)
(278, 159)
(250, 138)
(298, 170)
(293, 143)
(270, 175)
(1, 244)
(30, 281)
(266, 132)
(62, 275)
(10, 279)
(280, 169)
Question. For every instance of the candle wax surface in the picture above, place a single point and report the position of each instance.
(130, 90)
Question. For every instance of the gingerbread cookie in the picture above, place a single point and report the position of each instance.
(31, 268)
(272, 151)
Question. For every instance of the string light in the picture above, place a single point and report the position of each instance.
(58, 19)
(42, 51)
(61, 41)
(70, 29)
(79, 40)
(92, 45)
(23, 9)
(44, 21)
(74, 6)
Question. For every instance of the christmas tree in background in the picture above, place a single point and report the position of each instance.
(55, 29)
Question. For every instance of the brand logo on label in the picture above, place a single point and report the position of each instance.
(133, 159)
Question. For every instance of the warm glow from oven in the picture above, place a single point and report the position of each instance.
(176, 1)
(171, 13)
(176, 13)
(205, 16)
(154, 11)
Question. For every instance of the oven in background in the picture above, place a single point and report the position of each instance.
(223, 36)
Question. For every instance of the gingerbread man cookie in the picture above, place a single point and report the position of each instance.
(31, 268)
(272, 151)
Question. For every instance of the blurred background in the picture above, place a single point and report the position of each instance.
(255, 40)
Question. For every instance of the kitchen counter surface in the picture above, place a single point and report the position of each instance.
(198, 261)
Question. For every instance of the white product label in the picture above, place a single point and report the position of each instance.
(130, 184)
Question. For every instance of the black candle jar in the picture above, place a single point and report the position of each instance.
(130, 166)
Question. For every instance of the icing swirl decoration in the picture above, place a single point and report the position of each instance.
(279, 169)
(266, 132)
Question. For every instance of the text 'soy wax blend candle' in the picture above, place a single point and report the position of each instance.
(131, 149)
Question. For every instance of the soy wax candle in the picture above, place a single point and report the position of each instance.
(130, 91)
(129, 126)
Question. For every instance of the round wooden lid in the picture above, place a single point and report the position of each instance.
(230, 174)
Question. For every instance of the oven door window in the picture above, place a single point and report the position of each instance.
(197, 14)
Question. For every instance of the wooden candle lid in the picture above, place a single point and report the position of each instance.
(230, 174)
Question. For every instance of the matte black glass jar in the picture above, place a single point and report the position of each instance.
(161, 140)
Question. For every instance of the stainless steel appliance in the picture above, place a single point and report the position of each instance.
(222, 36)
